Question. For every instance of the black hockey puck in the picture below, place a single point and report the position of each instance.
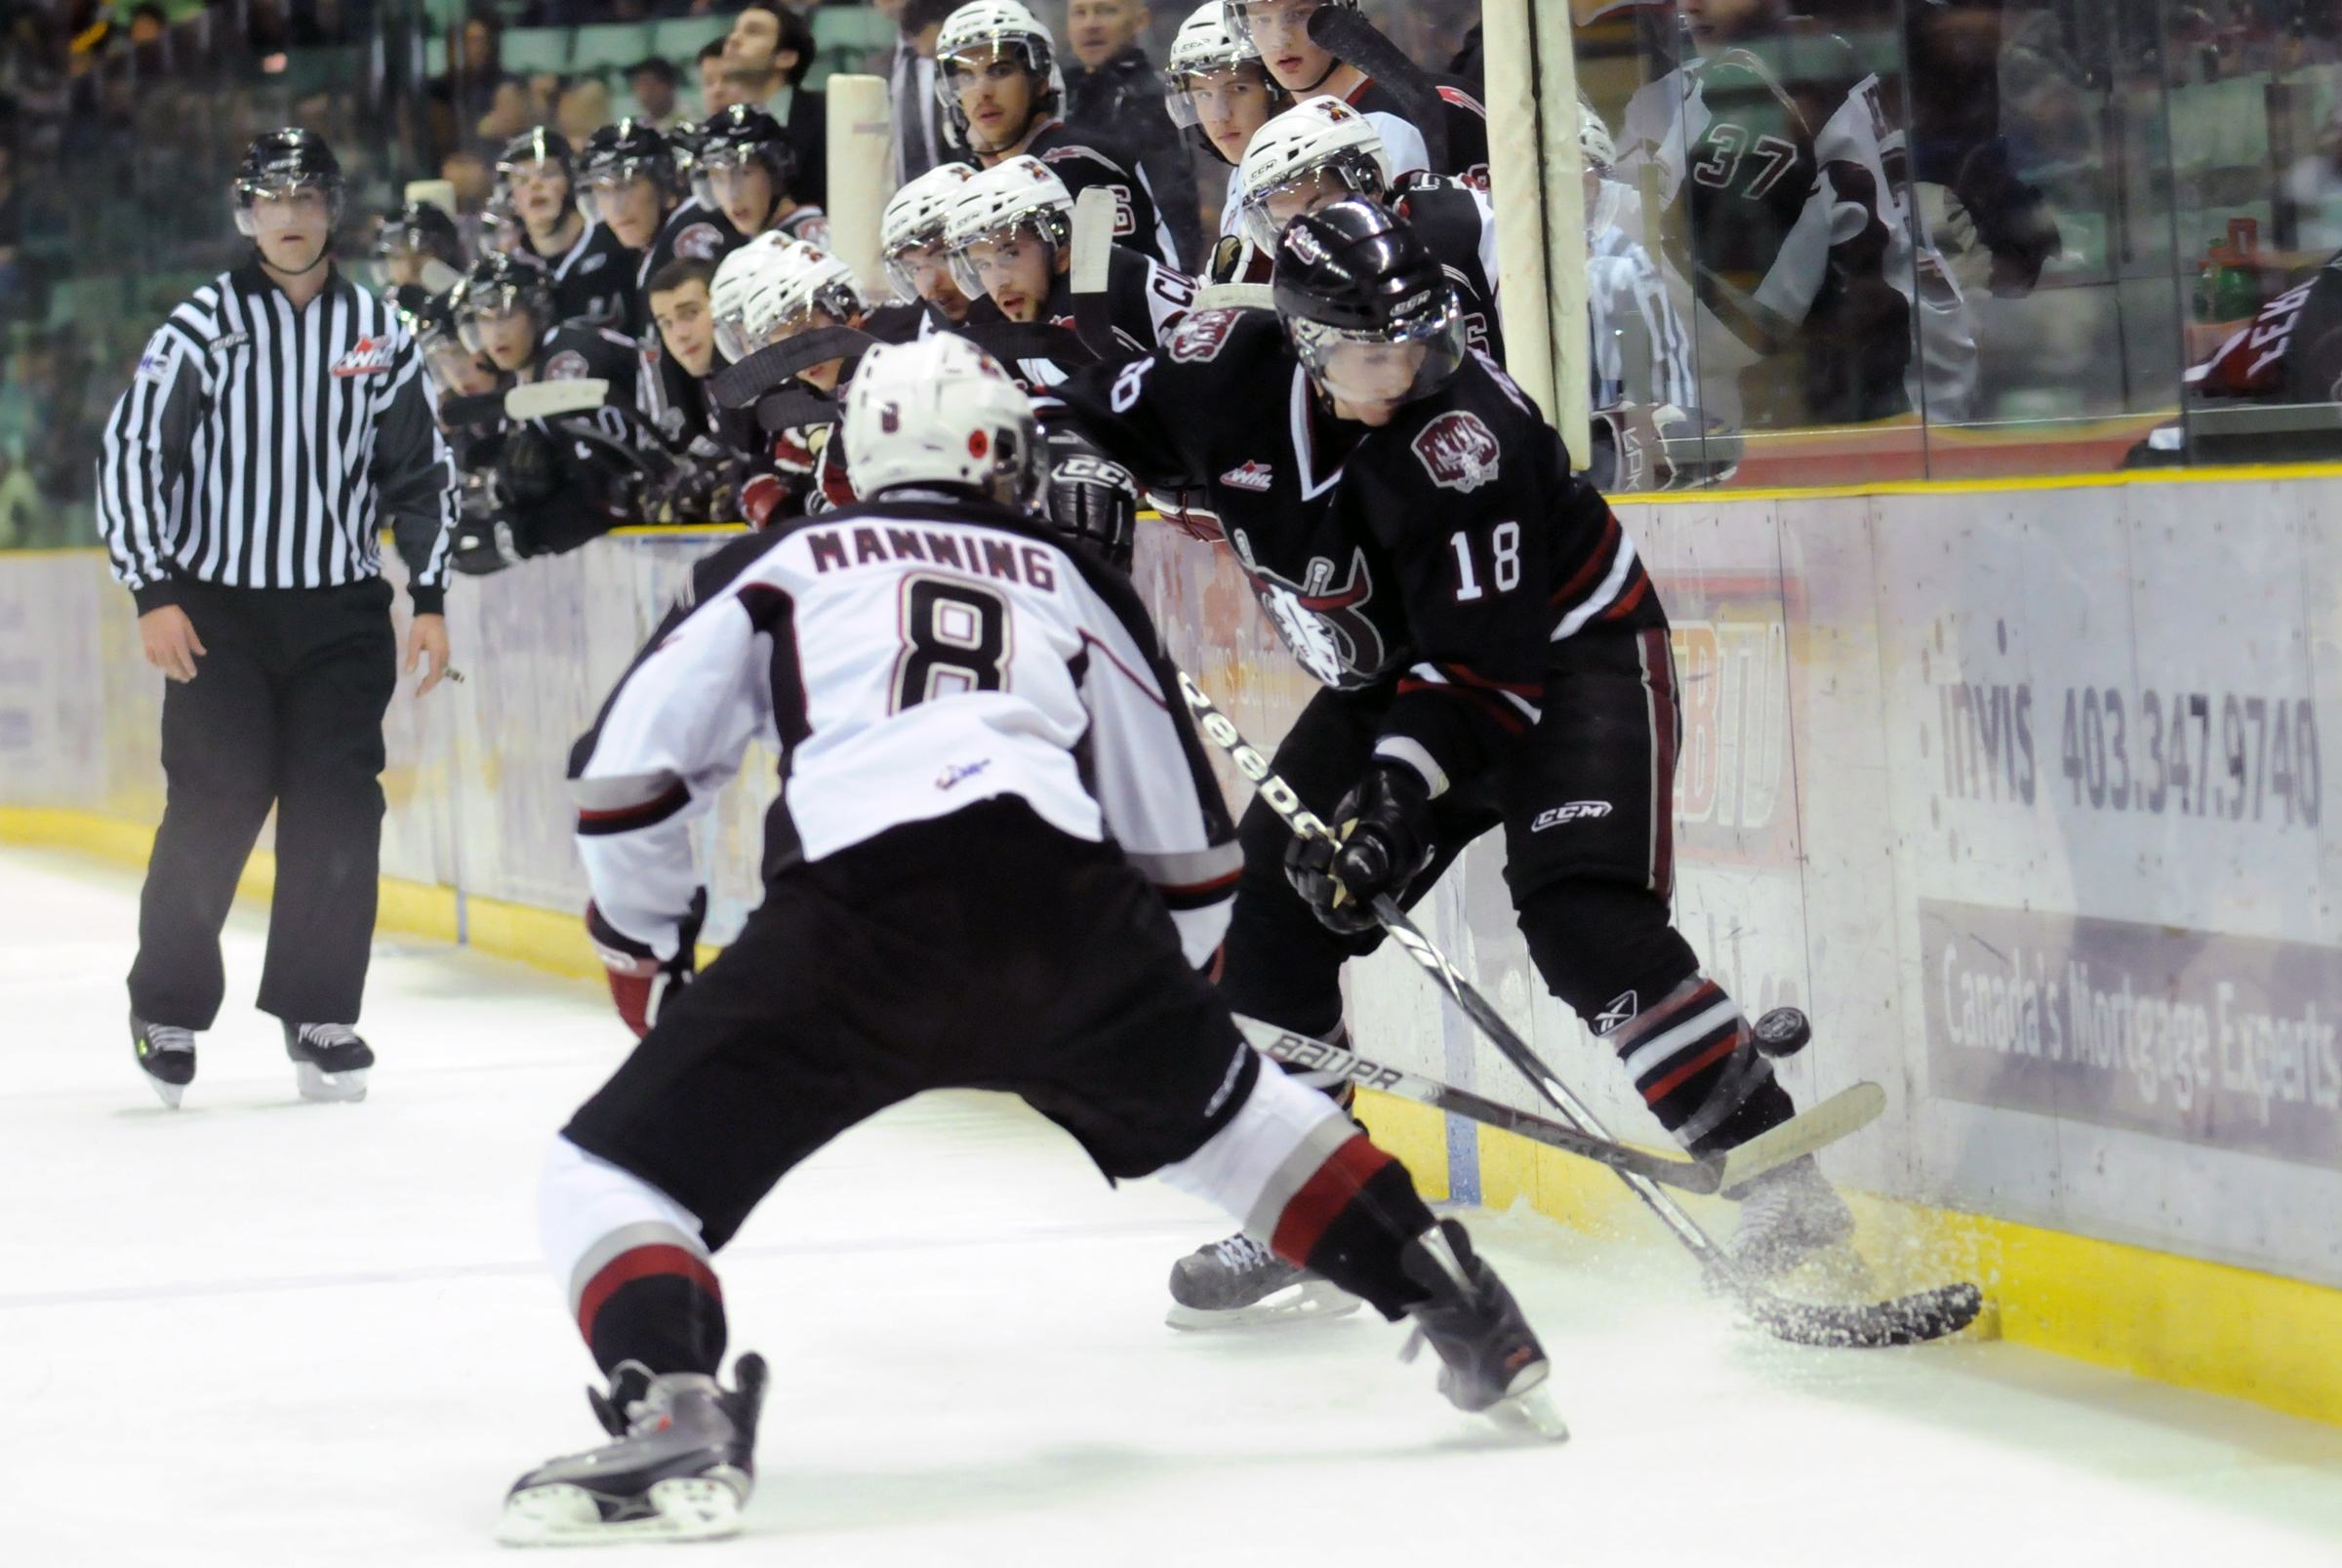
(1783, 1031)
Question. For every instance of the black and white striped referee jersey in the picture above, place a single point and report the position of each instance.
(259, 446)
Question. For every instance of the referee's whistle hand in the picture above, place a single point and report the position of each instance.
(170, 643)
(427, 636)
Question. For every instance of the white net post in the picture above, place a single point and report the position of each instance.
(861, 143)
(1535, 168)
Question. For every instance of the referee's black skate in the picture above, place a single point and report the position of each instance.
(1238, 1282)
(1493, 1362)
(329, 1060)
(166, 1054)
(681, 1470)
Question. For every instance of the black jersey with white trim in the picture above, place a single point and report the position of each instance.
(1464, 117)
(806, 222)
(1082, 160)
(906, 658)
(691, 233)
(1457, 225)
(1443, 553)
(593, 280)
(1145, 300)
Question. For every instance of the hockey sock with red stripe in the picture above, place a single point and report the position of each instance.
(1694, 1065)
(658, 1303)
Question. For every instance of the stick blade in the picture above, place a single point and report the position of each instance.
(545, 400)
(1094, 211)
(1841, 1115)
(1915, 1319)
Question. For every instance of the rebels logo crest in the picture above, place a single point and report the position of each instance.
(1324, 625)
(1458, 451)
(1201, 336)
(699, 242)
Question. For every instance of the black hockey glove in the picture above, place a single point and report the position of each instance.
(1091, 497)
(639, 983)
(1380, 823)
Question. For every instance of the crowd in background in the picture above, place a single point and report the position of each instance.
(2183, 162)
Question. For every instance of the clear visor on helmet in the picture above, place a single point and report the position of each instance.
(274, 206)
(1214, 92)
(498, 302)
(996, 251)
(717, 174)
(454, 369)
(1382, 369)
(1269, 210)
(1274, 20)
(911, 261)
(609, 182)
(732, 333)
(997, 59)
(531, 175)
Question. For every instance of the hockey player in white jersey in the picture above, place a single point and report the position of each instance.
(999, 858)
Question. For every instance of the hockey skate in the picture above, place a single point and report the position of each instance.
(1492, 1362)
(329, 1060)
(1239, 1283)
(1786, 1216)
(681, 1470)
(166, 1054)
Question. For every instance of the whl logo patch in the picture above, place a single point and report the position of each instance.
(370, 356)
(1577, 810)
(1249, 475)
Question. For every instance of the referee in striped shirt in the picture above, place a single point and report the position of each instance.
(276, 420)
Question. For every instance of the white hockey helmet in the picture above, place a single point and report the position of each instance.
(738, 277)
(1313, 139)
(1204, 47)
(805, 280)
(992, 25)
(914, 219)
(1021, 193)
(940, 411)
(1606, 194)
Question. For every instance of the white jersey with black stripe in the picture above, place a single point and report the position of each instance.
(906, 658)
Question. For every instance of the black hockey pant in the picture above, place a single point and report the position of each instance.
(286, 709)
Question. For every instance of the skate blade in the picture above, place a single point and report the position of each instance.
(1305, 1301)
(330, 1088)
(686, 1507)
(1531, 1410)
(170, 1093)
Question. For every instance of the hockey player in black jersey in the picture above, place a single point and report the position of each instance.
(1222, 94)
(628, 182)
(593, 274)
(507, 312)
(418, 247)
(1494, 654)
(744, 167)
(1281, 30)
(910, 241)
(1322, 150)
(1009, 237)
(997, 79)
(998, 857)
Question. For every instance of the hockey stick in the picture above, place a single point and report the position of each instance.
(545, 400)
(1093, 253)
(1236, 297)
(1843, 1114)
(776, 365)
(1351, 39)
(1905, 1320)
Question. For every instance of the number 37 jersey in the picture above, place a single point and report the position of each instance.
(906, 658)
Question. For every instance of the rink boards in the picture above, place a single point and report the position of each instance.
(2018, 790)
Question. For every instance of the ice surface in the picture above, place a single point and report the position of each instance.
(257, 1332)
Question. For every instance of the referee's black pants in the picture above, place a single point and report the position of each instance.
(286, 709)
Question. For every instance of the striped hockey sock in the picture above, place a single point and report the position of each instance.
(1695, 1065)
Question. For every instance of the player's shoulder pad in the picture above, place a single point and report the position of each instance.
(714, 573)
(1074, 156)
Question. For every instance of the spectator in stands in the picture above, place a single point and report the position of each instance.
(772, 47)
(461, 96)
(583, 108)
(1112, 90)
(921, 138)
(507, 112)
(655, 84)
(719, 89)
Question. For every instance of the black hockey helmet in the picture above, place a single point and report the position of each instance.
(539, 143)
(1356, 273)
(498, 285)
(419, 226)
(282, 162)
(622, 152)
(734, 138)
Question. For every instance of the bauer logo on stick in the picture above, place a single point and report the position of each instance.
(1458, 451)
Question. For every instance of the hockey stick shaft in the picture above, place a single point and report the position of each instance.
(1351, 39)
(1092, 255)
(1906, 1321)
